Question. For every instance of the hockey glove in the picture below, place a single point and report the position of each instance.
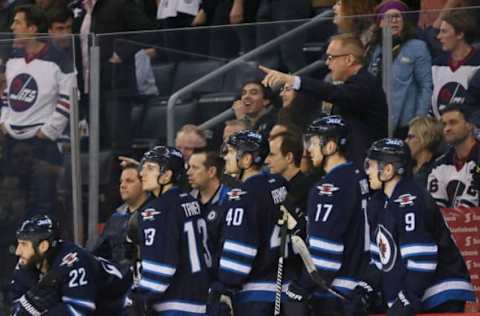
(37, 302)
(297, 293)
(401, 307)
(476, 177)
(220, 301)
(360, 300)
(137, 303)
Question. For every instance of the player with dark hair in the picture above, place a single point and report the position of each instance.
(337, 218)
(172, 237)
(415, 263)
(59, 278)
(247, 272)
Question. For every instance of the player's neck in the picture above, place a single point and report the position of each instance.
(390, 186)
(43, 266)
(333, 161)
(250, 172)
(207, 192)
(33, 47)
(291, 172)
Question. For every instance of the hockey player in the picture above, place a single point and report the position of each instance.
(173, 239)
(248, 263)
(204, 172)
(336, 218)
(59, 278)
(415, 262)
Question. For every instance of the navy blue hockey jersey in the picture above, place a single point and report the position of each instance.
(412, 250)
(172, 250)
(214, 214)
(88, 285)
(337, 233)
(251, 245)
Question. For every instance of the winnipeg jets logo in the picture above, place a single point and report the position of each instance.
(327, 189)
(235, 194)
(22, 92)
(405, 200)
(387, 248)
(149, 214)
(69, 259)
(212, 216)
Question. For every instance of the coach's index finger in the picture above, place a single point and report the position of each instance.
(265, 69)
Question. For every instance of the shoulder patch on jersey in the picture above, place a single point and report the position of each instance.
(387, 248)
(364, 187)
(327, 189)
(405, 200)
(149, 214)
(272, 180)
(211, 216)
(183, 195)
(69, 259)
(235, 194)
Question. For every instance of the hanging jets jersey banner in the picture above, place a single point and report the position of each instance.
(451, 83)
(37, 94)
(414, 251)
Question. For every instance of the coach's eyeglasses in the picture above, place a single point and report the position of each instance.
(332, 57)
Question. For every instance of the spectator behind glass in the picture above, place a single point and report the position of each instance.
(450, 181)
(117, 71)
(294, 106)
(189, 138)
(453, 70)
(357, 96)
(256, 106)
(411, 69)
(424, 139)
(360, 26)
(112, 244)
(38, 69)
(60, 21)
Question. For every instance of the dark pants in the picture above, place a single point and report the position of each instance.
(229, 40)
(35, 163)
(327, 307)
(289, 56)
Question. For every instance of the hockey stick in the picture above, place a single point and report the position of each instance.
(301, 248)
(283, 240)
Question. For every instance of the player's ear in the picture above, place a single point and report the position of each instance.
(43, 246)
(167, 177)
(212, 171)
(389, 171)
(290, 157)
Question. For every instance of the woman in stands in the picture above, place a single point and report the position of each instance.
(424, 139)
(361, 25)
(411, 86)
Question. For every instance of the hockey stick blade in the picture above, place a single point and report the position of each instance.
(301, 248)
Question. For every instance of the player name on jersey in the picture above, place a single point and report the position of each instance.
(191, 209)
